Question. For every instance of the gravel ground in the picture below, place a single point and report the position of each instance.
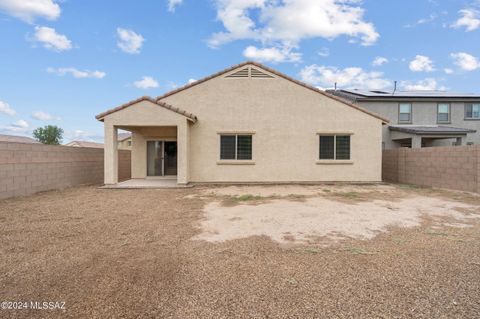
(131, 254)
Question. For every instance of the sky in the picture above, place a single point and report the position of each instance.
(64, 61)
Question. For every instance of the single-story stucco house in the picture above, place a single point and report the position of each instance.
(246, 124)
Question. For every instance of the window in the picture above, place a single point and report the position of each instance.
(129, 143)
(443, 113)
(472, 111)
(334, 147)
(235, 147)
(405, 113)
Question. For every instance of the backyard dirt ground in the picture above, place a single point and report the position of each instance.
(287, 251)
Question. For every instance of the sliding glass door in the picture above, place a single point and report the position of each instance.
(154, 158)
(161, 158)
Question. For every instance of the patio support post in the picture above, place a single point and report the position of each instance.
(182, 153)
(416, 141)
(460, 141)
(110, 155)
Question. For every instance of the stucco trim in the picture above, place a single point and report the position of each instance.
(335, 133)
(235, 162)
(236, 132)
(188, 115)
(334, 162)
(279, 74)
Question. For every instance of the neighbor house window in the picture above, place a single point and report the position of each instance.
(472, 111)
(334, 147)
(443, 113)
(405, 113)
(235, 147)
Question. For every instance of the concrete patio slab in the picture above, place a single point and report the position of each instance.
(147, 183)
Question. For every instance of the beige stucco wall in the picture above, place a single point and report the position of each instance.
(285, 120)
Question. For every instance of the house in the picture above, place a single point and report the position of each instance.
(422, 118)
(84, 144)
(17, 139)
(124, 141)
(246, 124)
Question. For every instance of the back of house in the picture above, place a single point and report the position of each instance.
(250, 124)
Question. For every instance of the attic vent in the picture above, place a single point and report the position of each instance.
(243, 73)
(259, 74)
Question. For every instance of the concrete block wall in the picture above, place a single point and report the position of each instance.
(453, 167)
(30, 168)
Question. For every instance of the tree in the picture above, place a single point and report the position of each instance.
(49, 134)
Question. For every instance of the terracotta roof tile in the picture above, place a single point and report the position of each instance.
(188, 115)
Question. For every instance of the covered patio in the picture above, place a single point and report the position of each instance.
(160, 138)
(428, 136)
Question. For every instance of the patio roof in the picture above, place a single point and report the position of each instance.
(188, 115)
(432, 130)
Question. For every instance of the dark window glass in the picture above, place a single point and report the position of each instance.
(227, 147)
(343, 147)
(327, 147)
(244, 147)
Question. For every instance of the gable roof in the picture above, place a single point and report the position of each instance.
(17, 139)
(279, 74)
(123, 136)
(188, 115)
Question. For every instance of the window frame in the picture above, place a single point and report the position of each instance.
(449, 120)
(410, 121)
(465, 111)
(335, 160)
(236, 135)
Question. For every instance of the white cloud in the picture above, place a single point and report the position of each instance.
(190, 81)
(129, 41)
(79, 74)
(52, 40)
(20, 124)
(28, 10)
(18, 127)
(465, 61)
(5, 108)
(324, 52)
(272, 54)
(470, 20)
(379, 61)
(352, 77)
(173, 4)
(291, 21)
(44, 116)
(448, 71)
(428, 84)
(147, 82)
(421, 63)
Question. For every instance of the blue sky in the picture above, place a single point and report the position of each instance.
(63, 62)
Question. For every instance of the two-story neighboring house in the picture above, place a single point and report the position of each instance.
(422, 118)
